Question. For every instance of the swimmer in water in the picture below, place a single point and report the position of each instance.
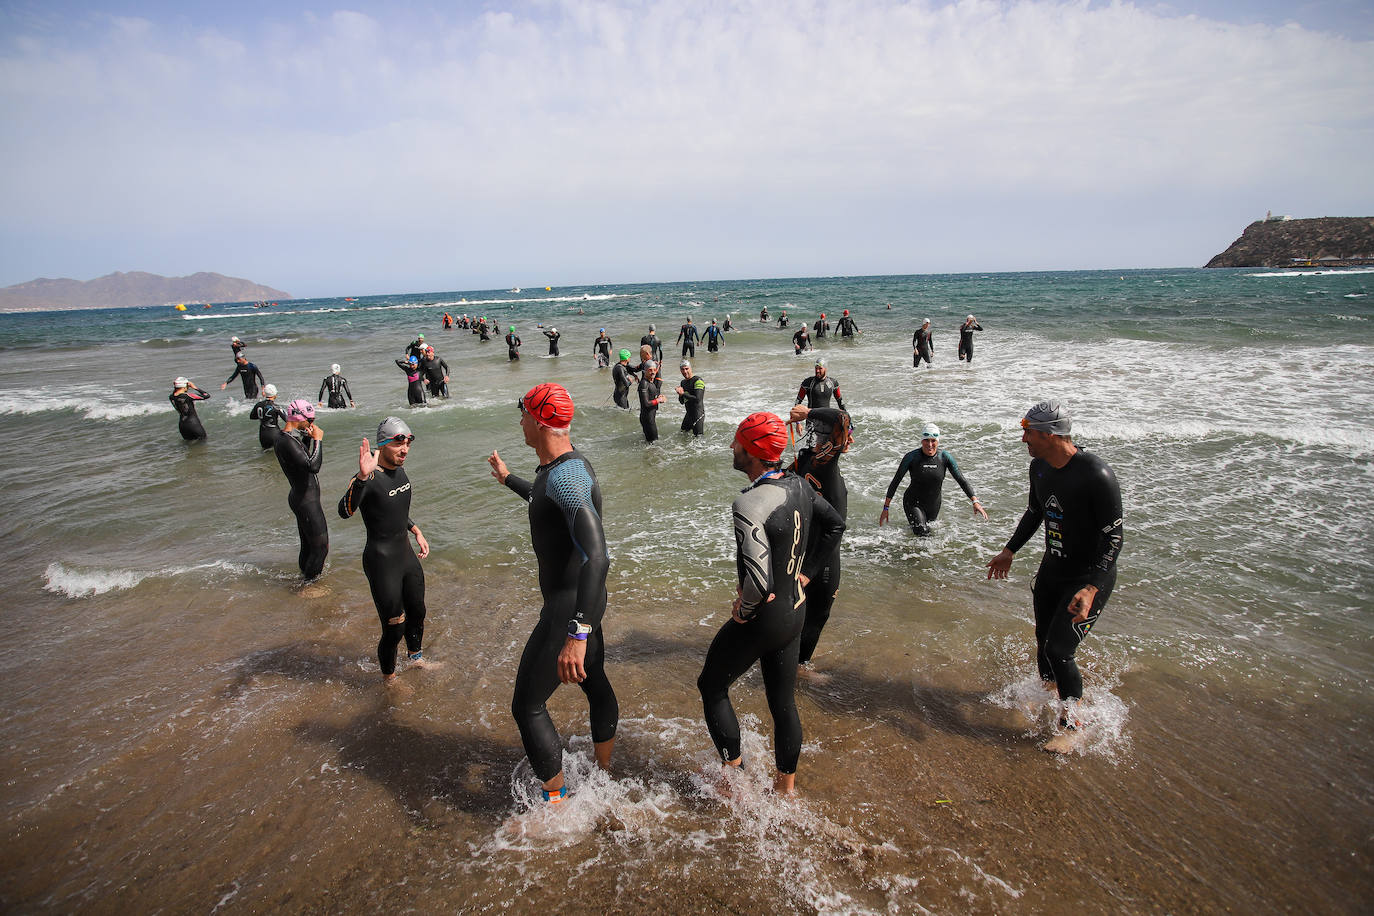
(922, 346)
(848, 328)
(782, 529)
(250, 374)
(553, 336)
(692, 394)
(927, 466)
(567, 645)
(966, 338)
(688, 338)
(269, 417)
(415, 387)
(621, 375)
(300, 452)
(339, 394)
(654, 344)
(381, 490)
(601, 348)
(183, 397)
(512, 345)
(650, 396)
(816, 389)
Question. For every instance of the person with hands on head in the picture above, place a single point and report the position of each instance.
(183, 397)
(567, 645)
(381, 491)
(300, 452)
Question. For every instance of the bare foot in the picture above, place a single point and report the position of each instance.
(422, 662)
(785, 784)
(395, 687)
(313, 590)
(1066, 742)
(807, 673)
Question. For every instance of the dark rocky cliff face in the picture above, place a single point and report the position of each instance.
(1302, 242)
(119, 290)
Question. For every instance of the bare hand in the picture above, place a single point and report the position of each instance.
(798, 413)
(1000, 565)
(571, 667)
(498, 469)
(222, 387)
(883, 517)
(1081, 604)
(422, 544)
(315, 432)
(979, 510)
(367, 460)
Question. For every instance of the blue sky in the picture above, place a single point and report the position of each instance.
(340, 150)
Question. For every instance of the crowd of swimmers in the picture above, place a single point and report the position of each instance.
(788, 524)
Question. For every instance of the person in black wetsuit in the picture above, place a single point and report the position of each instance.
(553, 335)
(654, 344)
(715, 336)
(847, 326)
(250, 374)
(300, 452)
(688, 338)
(763, 313)
(782, 529)
(435, 371)
(621, 375)
(601, 349)
(922, 347)
(484, 331)
(725, 326)
(415, 387)
(381, 490)
(1076, 496)
(337, 386)
(512, 345)
(650, 388)
(927, 466)
(567, 645)
(821, 327)
(817, 389)
(183, 397)
(966, 338)
(827, 437)
(269, 417)
(237, 346)
(783, 320)
(692, 393)
(416, 347)
(801, 341)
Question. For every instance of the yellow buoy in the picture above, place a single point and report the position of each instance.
(548, 289)
(181, 308)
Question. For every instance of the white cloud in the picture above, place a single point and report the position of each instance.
(657, 123)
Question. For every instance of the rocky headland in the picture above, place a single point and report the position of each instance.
(123, 290)
(1331, 241)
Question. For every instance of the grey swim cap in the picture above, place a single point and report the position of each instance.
(650, 366)
(820, 362)
(651, 327)
(1049, 417)
(684, 365)
(390, 428)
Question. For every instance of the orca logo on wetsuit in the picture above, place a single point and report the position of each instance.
(400, 489)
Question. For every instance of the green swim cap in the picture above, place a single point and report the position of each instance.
(512, 329)
(624, 354)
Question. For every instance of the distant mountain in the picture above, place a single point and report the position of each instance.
(1331, 241)
(121, 290)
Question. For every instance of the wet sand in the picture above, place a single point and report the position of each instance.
(238, 768)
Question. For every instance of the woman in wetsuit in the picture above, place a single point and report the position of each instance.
(381, 490)
(650, 387)
(415, 389)
(183, 397)
(269, 417)
(300, 453)
(927, 466)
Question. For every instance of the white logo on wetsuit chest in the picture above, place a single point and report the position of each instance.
(400, 489)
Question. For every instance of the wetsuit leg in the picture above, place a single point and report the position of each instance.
(190, 429)
(313, 531)
(915, 513)
(267, 436)
(415, 393)
(734, 650)
(648, 421)
(535, 681)
(622, 399)
(413, 600)
(605, 708)
(384, 579)
(1057, 636)
(820, 597)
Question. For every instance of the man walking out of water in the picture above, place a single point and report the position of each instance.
(715, 336)
(801, 340)
(782, 530)
(688, 338)
(922, 347)
(250, 374)
(512, 345)
(656, 346)
(650, 388)
(553, 335)
(692, 394)
(339, 394)
(381, 490)
(620, 376)
(966, 338)
(300, 452)
(601, 348)
(567, 645)
(1077, 497)
(817, 389)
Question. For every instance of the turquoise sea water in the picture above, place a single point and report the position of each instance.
(1237, 408)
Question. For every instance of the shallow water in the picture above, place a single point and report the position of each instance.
(184, 732)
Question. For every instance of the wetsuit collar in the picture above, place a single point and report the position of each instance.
(556, 461)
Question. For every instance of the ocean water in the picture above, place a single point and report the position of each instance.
(185, 731)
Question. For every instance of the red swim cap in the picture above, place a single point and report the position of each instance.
(549, 404)
(846, 311)
(763, 435)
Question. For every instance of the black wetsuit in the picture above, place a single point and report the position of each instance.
(393, 570)
(688, 337)
(416, 349)
(601, 347)
(801, 341)
(921, 501)
(726, 325)
(648, 410)
(238, 347)
(270, 417)
(655, 344)
(715, 338)
(415, 386)
(966, 340)
(621, 375)
(435, 371)
(339, 393)
(694, 397)
(1080, 505)
(816, 392)
(185, 403)
(763, 313)
(819, 464)
(820, 328)
(300, 456)
(921, 347)
(251, 376)
(782, 527)
(570, 547)
(553, 341)
(783, 320)
(848, 327)
(512, 347)
(483, 332)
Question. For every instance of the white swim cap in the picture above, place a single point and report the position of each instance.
(180, 381)
(335, 368)
(270, 390)
(931, 431)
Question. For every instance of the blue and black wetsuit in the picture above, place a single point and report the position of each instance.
(270, 418)
(715, 337)
(782, 527)
(300, 456)
(819, 464)
(1080, 505)
(393, 571)
(570, 547)
(251, 376)
(601, 348)
(921, 501)
(188, 424)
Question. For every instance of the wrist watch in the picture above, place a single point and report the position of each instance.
(578, 631)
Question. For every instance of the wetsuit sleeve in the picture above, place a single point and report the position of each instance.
(403, 364)
(901, 472)
(570, 485)
(520, 486)
(444, 367)
(954, 470)
(1106, 493)
(839, 398)
(1030, 519)
(347, 391)
(197, 394)
(826, 529)
(644, 399)
(258, 373)
(323, 382)
(353, 497)
(235, 374)
(915, 339)
(801, 392)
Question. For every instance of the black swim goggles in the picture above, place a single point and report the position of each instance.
(397, 440)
